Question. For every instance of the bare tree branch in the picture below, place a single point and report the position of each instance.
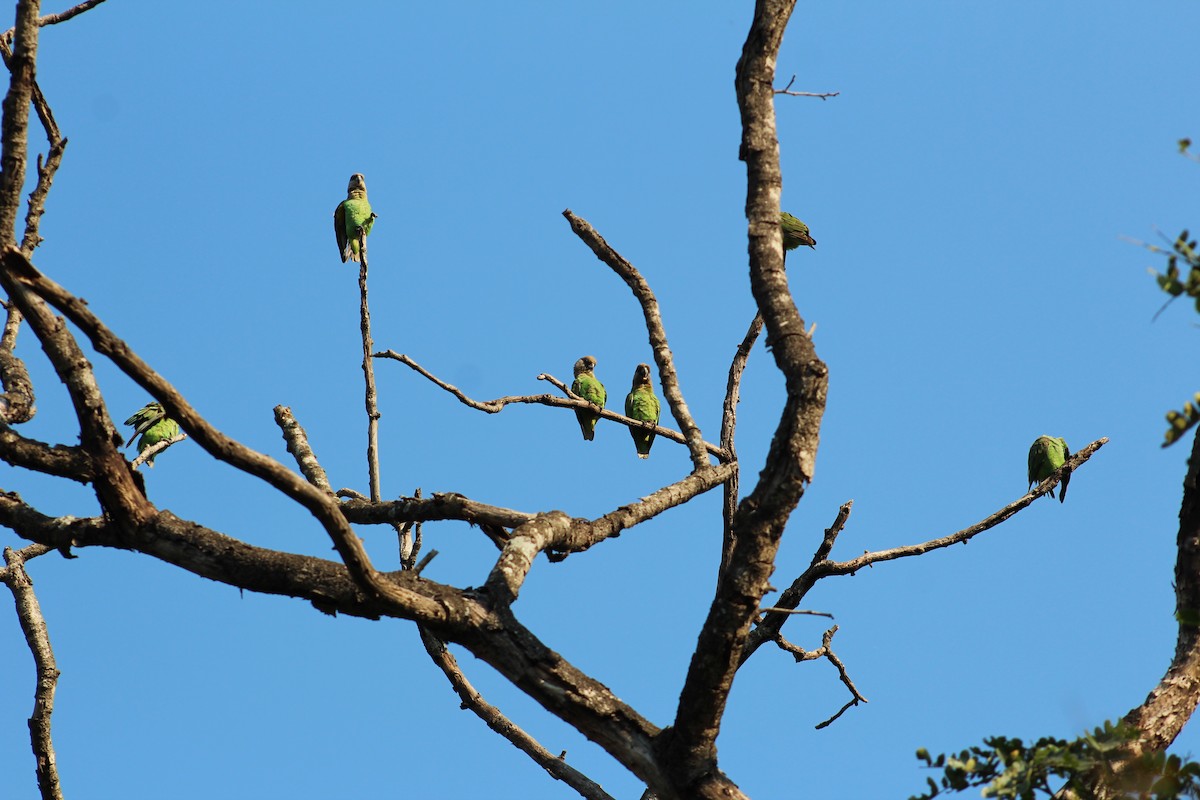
(33, 624)
(788, 91)
(573, 402)
(822, 567)
(297, 445)
(150, 452)
(654, 326)
(62, 16)
(17, 403)
(473, 701)
(761, 516)
(729, 427)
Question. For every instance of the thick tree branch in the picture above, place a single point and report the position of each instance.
(473, 701)
(220, 446)
(297, 445)
(15, 129)
(17, 403)
(33, 624)
(572, 402)
(761, 516)
(60, 460)
(654, 327)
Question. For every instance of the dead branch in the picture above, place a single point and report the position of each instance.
(156, 448)
(654, 326)
(733, 387)
(297, 445)
(572, 402)
(33, 624)
(17, 403)
(788, 91)
(473, 701)
(822, 567)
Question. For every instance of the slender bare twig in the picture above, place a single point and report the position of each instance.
(776, 610)
(572, 402)
(788, 91)
(33, 624)
(473, 701)
(822, 567)
(825, 651)
(62, 16)
(438, 506)
(654, 327)
(368, 369)
(297, 445)
(729, 427)
(156, 448)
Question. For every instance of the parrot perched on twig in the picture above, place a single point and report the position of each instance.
(351, 214)
(587, 386)
(795, 233)
(1046, 455)
(642, 405)
(152, 424)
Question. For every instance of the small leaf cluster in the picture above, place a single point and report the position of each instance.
(1009, 770)
(1173, 282)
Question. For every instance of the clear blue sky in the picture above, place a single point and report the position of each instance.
(968, 190)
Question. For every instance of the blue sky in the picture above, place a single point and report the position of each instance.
(968, 190)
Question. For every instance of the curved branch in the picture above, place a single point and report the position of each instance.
(572, 402)
(33, 624)
(654, 326)
(822, 567)
(473, 701)
(729, 427)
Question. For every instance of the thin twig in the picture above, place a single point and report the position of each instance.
(62, 16)
(825, 651)
(150, 452)
(495, 406)
(729, 427)
(773, 609)
(473, 701)
(33, 624)
(654, 327)
(788, 91)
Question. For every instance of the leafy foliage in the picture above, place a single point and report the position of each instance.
(1007, 769)
(1173, 282)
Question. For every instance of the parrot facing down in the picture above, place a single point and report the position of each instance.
(1046, 455)
(153, 425)
(642, 405)
(351, 214)
(587, 386)
(795, 233)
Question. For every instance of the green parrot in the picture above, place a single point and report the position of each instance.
(588, 386)
(351, 214)
(642, 405)
(795, 233)
(153, 425)
(1046, 455)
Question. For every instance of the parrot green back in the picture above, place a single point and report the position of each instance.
(160, 431)
(357, 213)
(794, 232)
(1046, 455)
(642, 405)
(592, 390)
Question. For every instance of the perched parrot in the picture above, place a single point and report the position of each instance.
(795, 233)
(642, 405)
(351, 214)
(1046, 455)
(153, 425)
(588, 387)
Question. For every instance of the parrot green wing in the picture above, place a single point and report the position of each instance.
(339, 229)
(794, 232)
(588, 387)
(1046, 455)
(144, 418)
(642, 405)
(160, 431)
(351, 214)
